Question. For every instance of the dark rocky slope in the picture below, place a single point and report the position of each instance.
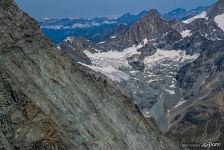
(49, 102)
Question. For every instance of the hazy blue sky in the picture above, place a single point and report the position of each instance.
(91, 8)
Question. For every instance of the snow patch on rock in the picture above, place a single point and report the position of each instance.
(173, 55)
(186, 33)
(179, 103)
(110, 72)
(113, 37)
(220, 21)
(172, 92)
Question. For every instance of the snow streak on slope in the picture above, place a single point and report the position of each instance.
(110, 72)
(201, 15)
(179, 103)
(172, 55)
(220, 21)
(108, 63)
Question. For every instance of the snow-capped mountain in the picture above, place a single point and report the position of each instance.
(173, 69)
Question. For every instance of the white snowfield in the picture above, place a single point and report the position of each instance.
(110, 72)
(186, 33)
(220, 21)
(201, 15)
(108, 63)
(173, 55)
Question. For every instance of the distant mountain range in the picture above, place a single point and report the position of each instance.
(181, 14)
(98, 29)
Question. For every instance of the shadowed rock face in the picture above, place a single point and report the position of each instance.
(74, 48)
(49, 102)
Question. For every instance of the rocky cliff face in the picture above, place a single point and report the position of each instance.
(202, 84)
(149, 27)
(49, 102)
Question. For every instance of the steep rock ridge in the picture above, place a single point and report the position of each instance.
(207, 28)
(149, 27)
(49, 102)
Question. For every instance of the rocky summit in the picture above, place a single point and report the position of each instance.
(48, 101)
(172, 70)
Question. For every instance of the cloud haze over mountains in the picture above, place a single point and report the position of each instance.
(86, 8)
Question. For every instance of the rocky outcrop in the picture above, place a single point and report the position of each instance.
(74, 48)
(23, 124)
(49, 102)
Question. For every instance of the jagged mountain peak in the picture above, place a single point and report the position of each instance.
(142, 13)
(151, 15)
(148, 27)
(153, 12)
